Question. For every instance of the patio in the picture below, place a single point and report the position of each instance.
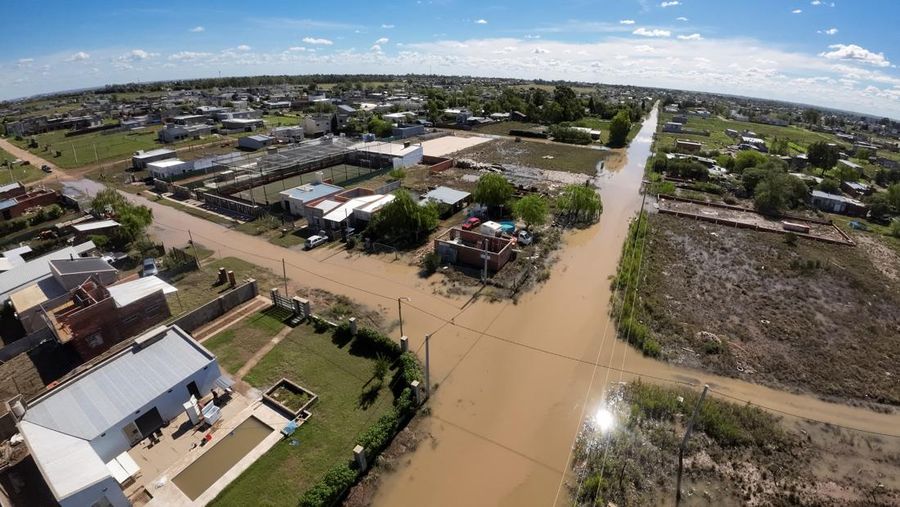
(180, 446)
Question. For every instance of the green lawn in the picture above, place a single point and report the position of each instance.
(10, 173)
(550, 156)
(281, 120)
(503, 127)
(345, 408)
(798, 138)
(195, 288)
(78, 151)
(235, 346)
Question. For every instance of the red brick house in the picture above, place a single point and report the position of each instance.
(97, 317)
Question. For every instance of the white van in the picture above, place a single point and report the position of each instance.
(314, 241)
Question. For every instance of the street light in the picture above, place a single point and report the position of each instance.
(400, 311)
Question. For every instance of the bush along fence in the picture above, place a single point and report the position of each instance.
(626, 304)
(408, 396)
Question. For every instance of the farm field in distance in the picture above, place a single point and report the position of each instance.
(811, 316)
(23, 173)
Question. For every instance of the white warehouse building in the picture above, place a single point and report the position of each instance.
(166, 169)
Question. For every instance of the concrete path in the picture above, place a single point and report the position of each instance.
(262, 352)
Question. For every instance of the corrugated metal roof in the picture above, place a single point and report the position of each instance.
(126, 293)
(447, 195)
(311, 191)
(108, 393)
(36, 269)
(92, 226)
(69, 464)
(81, 265)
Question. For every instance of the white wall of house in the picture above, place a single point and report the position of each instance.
(114, 441)
(410, 159)
(107, 488)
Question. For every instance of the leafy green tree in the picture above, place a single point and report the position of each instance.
(863, 154)
(778, 191)
(779, 146)
(133, 219)
(879, 205)
(397, 174)
(403, 220)
(570, 106)
(829, 185)
(618, 129)
(531, 209)
(379, 127)
(579, 203)
(492, 189)
(811, 116)
(747, 158)
(822, 155)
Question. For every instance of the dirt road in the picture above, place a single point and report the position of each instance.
(513, 382)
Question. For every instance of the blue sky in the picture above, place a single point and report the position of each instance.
(840, 54)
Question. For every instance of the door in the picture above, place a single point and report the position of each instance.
(193, 390)
(149, 422)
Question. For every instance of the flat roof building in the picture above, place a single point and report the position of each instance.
(295, 199)
(141, 158)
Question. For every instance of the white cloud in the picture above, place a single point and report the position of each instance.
(25, 62)
(316, 41)
(533, 36)
(540, 51)
(376, 48)
(77, 57)
(830, 31)
(386, 26)
(137, 54)
(480, 21)
(296, 48)
(681, 18)
(673, 3)
(197, 29)
(816, 2)
(853, 52)
(243, 47)
(693, 36)
(188, 56)
(796, 11)
(651, 33)
(626, 22)
(383, 40)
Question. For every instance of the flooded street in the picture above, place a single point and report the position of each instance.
(513, 381)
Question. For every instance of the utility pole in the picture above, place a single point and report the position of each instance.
(400, 313)
(194, 247)
(74, 153)
(427, 367)
(284, 272)
(687, 435)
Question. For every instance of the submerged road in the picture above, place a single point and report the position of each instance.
(513, 382)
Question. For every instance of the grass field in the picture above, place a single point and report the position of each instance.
(78, 151)
(11, 173)
(340, 174)
(281, 120)
(195, 288)
(346, 407)
(562, 157)
(235, 346)
(798, 137)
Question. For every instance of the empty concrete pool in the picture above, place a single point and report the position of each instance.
(231, 447)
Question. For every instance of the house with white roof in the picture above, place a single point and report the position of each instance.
(78, 431)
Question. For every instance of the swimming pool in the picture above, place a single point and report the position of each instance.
(208, 468)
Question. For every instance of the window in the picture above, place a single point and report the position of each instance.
(95, 340)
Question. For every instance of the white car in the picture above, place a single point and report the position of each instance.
(525, 237)
(314, 241)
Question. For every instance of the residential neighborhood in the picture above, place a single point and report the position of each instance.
(450, 254)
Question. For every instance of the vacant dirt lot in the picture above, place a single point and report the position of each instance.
(813, 316)
(539, 155)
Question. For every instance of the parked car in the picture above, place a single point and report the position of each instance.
(46, 168)
(524, 237)
(149, 268)
(471, 223)
(314, 241)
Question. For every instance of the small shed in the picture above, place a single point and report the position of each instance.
(254, 142)
(454, 200)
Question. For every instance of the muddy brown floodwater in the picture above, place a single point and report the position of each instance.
(513, 382)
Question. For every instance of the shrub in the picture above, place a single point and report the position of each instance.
(351, 243)
(330, 488)
(371, 343)
(408, 369)
(431, 262)
(895, 227)
(379, 435)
